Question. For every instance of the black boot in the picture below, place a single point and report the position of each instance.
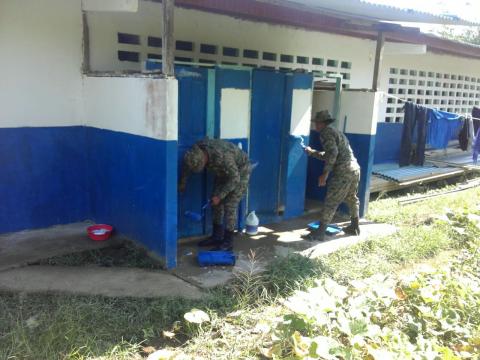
(227, 244)
(353, 228)
(216, 238)
(318, 234)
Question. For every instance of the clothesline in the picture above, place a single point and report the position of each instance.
(428, 107)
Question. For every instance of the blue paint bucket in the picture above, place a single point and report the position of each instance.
(212, 258)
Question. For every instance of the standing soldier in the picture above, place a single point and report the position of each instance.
(231, 168)
(342, 171)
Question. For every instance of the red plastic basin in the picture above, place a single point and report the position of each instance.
(99, 232)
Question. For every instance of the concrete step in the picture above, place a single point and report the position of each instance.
(92, 280)
(26, 247)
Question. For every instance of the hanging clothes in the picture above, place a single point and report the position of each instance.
(442, 127)
(407, 134)
(476, 123)
(476, 147)
(465, 135)
(421, 117)
(412, 148)
(471, 140)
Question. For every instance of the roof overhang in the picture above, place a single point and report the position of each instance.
(366, 10)
(278, 12)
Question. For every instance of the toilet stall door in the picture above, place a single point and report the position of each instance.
(192, 126)
(266, 129)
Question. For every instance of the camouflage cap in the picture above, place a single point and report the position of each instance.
(323, 116)
(195, 159)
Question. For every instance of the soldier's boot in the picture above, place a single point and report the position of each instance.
(353, 228)
(216, 238)
(227, 244)
(318, 234)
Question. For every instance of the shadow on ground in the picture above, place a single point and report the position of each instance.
(271, 242)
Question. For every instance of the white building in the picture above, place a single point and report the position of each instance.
(87, 133)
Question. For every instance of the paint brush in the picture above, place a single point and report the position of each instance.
(192, 215)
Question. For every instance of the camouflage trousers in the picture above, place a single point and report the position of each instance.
(228, 208)
(342, 187)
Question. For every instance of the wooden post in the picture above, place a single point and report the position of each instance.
(378, 59)
(168, 43)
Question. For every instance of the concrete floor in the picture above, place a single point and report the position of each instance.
(26, 247)
(271, 242)
(253, 254)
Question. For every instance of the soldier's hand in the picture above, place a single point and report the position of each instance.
(309, 150)
(215, 200)
(322, 180)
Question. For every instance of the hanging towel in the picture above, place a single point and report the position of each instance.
(442, 127)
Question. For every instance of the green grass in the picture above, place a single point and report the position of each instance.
(82, 327)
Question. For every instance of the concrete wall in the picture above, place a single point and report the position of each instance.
(138, 105)
(74, 147)
(447, 82)
(40, 64)
(203, 28)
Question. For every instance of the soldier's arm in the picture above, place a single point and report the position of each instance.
(331, 152)
(231, 177)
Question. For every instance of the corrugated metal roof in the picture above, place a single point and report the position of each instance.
(443, 18)
(410, 173)
(367, 10)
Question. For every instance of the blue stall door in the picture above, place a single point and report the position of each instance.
(266, 132)
(192, 126)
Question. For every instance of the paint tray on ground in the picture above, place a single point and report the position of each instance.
(213, 258)
(331, 229)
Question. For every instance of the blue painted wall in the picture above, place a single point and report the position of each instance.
(294, 167)
(43, 178)
(132, 182)
(266, 136)
(60, 175)
(192, 127)
(315, 169)
(232, 79)
(363, 147)
(387, 143)
(296, 184)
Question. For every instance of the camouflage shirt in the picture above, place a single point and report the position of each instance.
(227, 162)
(337, 154)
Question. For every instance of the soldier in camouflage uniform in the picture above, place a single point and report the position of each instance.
(343, 174)
(231, 168)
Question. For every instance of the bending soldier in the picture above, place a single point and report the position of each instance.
(231, 168)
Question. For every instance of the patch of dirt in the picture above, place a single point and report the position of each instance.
(125, 254)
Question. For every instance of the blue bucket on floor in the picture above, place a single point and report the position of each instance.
(212, 258)
(331, 229)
